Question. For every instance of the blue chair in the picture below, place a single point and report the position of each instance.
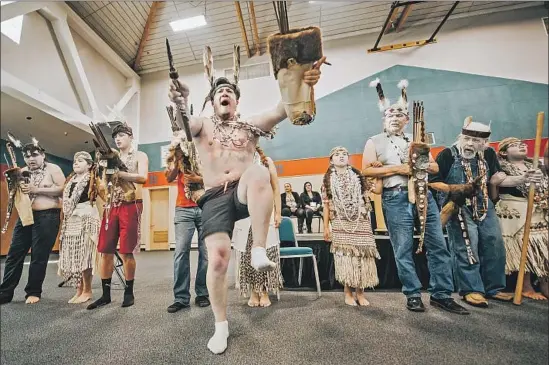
(286, 232)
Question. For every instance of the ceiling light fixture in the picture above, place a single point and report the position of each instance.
(188, 23)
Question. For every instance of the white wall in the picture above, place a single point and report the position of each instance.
(107, 83)
(37, 61)
(511, 45)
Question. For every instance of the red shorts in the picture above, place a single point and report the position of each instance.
(123, 224)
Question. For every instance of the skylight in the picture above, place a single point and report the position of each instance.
(188, 23)
(12, 28)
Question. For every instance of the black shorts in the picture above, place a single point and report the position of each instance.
(221, 209)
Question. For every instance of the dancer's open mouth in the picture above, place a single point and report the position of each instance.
(225, 103)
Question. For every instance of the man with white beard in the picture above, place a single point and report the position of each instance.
(474, 232)
(391, 148)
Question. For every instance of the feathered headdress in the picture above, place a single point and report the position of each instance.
(116, 121)
(215, 84)
(400, 107)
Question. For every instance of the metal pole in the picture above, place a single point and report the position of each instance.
(394, 5)
(443, 21)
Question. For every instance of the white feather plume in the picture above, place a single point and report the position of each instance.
(402, 84)
(384, 105)
(374, 83)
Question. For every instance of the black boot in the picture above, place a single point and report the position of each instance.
(309, 229)
(5, 298)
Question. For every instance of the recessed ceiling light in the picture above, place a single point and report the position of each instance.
(188, 23)
(29, 118)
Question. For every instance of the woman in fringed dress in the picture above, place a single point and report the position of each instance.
(79, 229)
(511, 210)
(251, 282)
(347, 208)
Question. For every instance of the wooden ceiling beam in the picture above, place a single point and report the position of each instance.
(242, 28)
(403, 17)
(392, 20)
(150, 19)
(254, 28)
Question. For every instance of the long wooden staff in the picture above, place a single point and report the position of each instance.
(525, 239)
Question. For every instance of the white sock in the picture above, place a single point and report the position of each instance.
(259, 260)
(218, 342)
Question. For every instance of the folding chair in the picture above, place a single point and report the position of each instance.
(286, 232)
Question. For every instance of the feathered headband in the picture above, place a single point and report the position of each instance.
(215, 84)
(28, 148)
(401, 106)
(117, 122)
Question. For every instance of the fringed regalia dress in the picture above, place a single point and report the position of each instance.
(353, 244)
(247, 278)
(79, 231)
(511, 210)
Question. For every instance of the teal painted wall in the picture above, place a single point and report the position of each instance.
(349, 116)
(63, 163)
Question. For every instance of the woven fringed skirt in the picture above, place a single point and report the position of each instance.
(79, 243)
(249, 279)
(355, 253)
(511, 211)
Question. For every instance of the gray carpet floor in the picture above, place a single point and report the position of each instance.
(300, 329)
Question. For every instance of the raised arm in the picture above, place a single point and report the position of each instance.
(142, 170)
(195, 123)
(267, 121)
(369, 157)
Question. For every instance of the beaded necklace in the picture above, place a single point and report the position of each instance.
(225, 132)
(37, 176)
(478, 214)
(346, 195)
(402, 154)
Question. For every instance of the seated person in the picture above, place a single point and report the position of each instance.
(311, 202)
(291, 205)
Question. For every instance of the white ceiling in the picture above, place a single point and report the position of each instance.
(120, 24)
(56, 136)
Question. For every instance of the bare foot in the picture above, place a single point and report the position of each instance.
(533, 295)
(362, 301)
(349, 300)
(83, 298)
(254, 300)
(31, 300)
(264, 301)
(73, 299)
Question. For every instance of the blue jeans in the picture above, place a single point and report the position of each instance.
(487, 276)
(399, 218)
(186, 220)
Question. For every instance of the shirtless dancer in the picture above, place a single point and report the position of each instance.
(124, 217)
(45, 190)
(239, 188)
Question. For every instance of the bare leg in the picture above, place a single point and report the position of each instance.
(349, 299)
(254, 299)
(255, 191)
(219, 251)
(129, 266)
(107, 265)
(528, 290)
(362, 301)
(86, 293)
